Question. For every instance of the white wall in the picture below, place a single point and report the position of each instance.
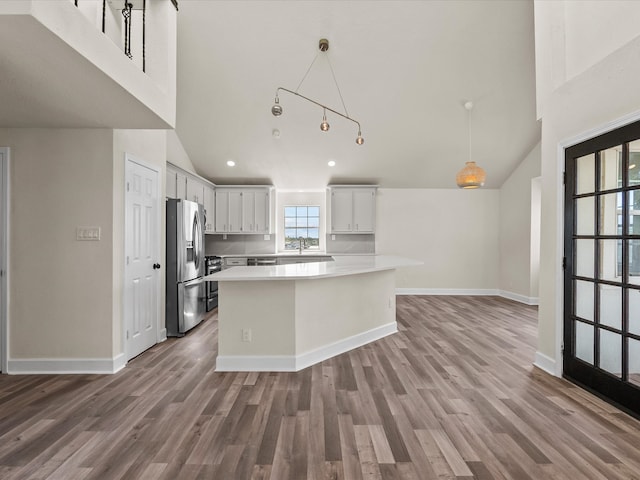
(60, 291)
(156, 88)
(515, 229)
(596, 100)
(571, 36)
(66, 295)
(455, 233)
(176, 154)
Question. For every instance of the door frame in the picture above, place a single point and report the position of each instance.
(556, 367)
(161, 332)
(4, 259)
(618, 391)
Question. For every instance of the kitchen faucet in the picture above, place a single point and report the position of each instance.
(301, 243)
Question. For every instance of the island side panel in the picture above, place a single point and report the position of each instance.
(267, 309)
(337, 314)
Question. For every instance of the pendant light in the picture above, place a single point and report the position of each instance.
(277, 110)
(471, 176)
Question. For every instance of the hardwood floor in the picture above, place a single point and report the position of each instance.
(453, 395)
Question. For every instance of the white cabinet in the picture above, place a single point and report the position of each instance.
(187, 186)
(353, 209)
(176, 186)
(181, 185)
(209, 209)
(170, 186)
(228, 211)
(243, 210)
(195, 190)
(255, 211)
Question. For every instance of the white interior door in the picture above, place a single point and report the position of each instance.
(4, 197)
(142, 262)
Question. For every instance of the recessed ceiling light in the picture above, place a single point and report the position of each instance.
(231, 163)
(331, 163)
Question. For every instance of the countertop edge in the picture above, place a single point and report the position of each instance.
(300, 271)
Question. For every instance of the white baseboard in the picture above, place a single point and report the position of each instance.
(294, 363)
(518, 298)
(446, 291)
(162, 336)
(255, 363)
(469, 292)
(546, 363)
(46, 366)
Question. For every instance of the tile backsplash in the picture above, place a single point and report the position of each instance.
(239, 244)
(351, 243)
(257, 245)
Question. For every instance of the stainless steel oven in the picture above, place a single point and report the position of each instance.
(213, 264)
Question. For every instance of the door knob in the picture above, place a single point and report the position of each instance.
(156, 266)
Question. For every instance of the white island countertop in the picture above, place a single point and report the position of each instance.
(340, 266)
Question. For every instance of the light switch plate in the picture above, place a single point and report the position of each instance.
(87, 234)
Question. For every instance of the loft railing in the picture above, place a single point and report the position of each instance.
(124, 21)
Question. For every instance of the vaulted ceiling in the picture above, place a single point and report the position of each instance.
(404, 68)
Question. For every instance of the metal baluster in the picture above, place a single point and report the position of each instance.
(126, 13)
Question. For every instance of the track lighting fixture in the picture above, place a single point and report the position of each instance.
(277, 110)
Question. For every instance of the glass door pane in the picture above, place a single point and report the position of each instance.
(586, 174)
(602, 280)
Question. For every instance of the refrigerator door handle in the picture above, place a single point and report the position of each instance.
(193, 282)
(197, 247)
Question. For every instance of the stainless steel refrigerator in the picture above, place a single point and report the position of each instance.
(186, 294)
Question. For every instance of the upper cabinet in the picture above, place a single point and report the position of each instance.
(256, 207)
(195, 190)
(244, 210)
(181, 184)
(209, 209)
(353, 209)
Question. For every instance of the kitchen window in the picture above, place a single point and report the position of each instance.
(302, 222)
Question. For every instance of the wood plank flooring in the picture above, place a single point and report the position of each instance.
(453, 395)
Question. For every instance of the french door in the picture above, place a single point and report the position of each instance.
(602, 266)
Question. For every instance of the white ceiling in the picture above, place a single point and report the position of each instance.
(405, 69)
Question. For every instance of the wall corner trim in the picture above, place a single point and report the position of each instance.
(546, 364)
(57, 366)
(518, 297)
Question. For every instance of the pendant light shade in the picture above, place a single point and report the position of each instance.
(324, 126)
(471, 176)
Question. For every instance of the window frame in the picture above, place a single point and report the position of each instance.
(307, 246)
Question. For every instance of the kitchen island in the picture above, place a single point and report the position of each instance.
(288, 317)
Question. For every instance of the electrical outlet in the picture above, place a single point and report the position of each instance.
(246, 334)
